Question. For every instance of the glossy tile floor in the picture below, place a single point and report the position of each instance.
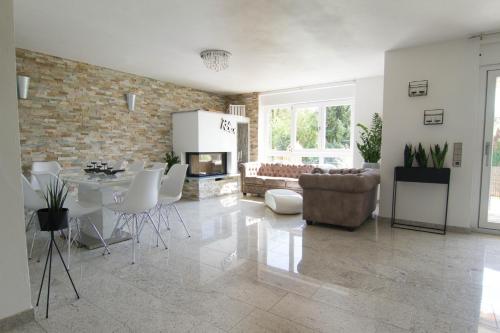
(248, 270)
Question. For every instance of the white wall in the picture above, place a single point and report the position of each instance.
(368, 100)
(14, 280)
(452, 69)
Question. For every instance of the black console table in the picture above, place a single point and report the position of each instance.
(420, 175)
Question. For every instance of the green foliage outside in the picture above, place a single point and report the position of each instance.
(307, 128)
(338, 127)
(281, 123)
(337, 132)
(495, 157)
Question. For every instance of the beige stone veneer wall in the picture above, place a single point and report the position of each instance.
(251, 101)
(76, 112)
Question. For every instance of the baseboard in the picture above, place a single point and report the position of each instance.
(18, 319)
(450, 228)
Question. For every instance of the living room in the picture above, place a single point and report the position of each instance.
(237, 166)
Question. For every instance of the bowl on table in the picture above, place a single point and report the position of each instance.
(113, 171)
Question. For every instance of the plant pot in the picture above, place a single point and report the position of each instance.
(368, 165)
(53, 220)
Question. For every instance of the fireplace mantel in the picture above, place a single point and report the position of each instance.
(201, 131)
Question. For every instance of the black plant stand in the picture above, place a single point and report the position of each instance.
(49, 256)
(420, 175)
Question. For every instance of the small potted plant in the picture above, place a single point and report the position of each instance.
(409, 155)
(55, 216)
(439, 155)
(171, 159)
(371, 142)
(421, 156)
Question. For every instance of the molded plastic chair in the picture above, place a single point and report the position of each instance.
(171, 192)
(43, 167)
(120, 164)
(78, 210)
(139, 200)
(33, 201)
(136, 166)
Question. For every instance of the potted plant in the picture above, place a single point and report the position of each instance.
(409, 155)
(421, 156)
(55, 216)
(439, 155)
(371, 142)
(171, 159)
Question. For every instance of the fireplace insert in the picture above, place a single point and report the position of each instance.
(206, 164)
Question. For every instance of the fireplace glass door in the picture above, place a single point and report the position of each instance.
(206, 164)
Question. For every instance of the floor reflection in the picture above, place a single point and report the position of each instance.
(248, 269)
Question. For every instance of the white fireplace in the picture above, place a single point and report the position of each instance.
(207, 134)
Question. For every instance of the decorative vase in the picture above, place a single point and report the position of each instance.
(53, 220)
(368, 165)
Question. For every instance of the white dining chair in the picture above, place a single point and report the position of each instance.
(120, 165)
(170, 193)
(42, 167)
(78, 212)
(158, 165)
(136, 166)
(138, 202)
(33, 201)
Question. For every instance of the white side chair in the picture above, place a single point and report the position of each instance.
(119, 191)
(139, 201)
(136, 166)
(43, 167)
(119, 165)
(170, 193)
(32, 203)
(158, 165)
(78, 212)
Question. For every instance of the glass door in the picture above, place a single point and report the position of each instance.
(489, 216)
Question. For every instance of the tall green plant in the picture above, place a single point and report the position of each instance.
(171, 159)
(409, 155)
(421, 156)
(439, 155)
(371, 140)
(56, 195)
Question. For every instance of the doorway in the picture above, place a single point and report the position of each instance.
(489, 210)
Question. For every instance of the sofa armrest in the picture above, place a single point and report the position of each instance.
(249, 169)
(354, 183)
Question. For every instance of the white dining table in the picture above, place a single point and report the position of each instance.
(99, 188)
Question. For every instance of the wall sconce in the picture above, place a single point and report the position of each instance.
(131, 101)
(23, 83)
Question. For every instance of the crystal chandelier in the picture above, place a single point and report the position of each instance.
(216, 60)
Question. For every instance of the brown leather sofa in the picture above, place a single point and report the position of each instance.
(257, 178)
(343, 197)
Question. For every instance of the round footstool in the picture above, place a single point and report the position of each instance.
(284, 201)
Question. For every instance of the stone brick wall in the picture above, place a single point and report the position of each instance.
(251, 100)
(76, 112)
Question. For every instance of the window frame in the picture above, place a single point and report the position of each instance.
(322, 152)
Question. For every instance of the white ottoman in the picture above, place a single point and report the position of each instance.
(284, 201)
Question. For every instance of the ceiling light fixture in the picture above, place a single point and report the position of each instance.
(216, 60)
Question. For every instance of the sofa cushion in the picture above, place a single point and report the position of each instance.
(258, 180)
(291, 170)
(274, 182)
(347, 181)
(266, 169)
(292, 183)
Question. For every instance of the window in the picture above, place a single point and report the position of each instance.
(280, 124)
(317, 133)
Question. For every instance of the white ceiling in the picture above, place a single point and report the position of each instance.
(275, 44)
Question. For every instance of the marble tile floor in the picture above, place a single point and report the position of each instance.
(246, 269)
